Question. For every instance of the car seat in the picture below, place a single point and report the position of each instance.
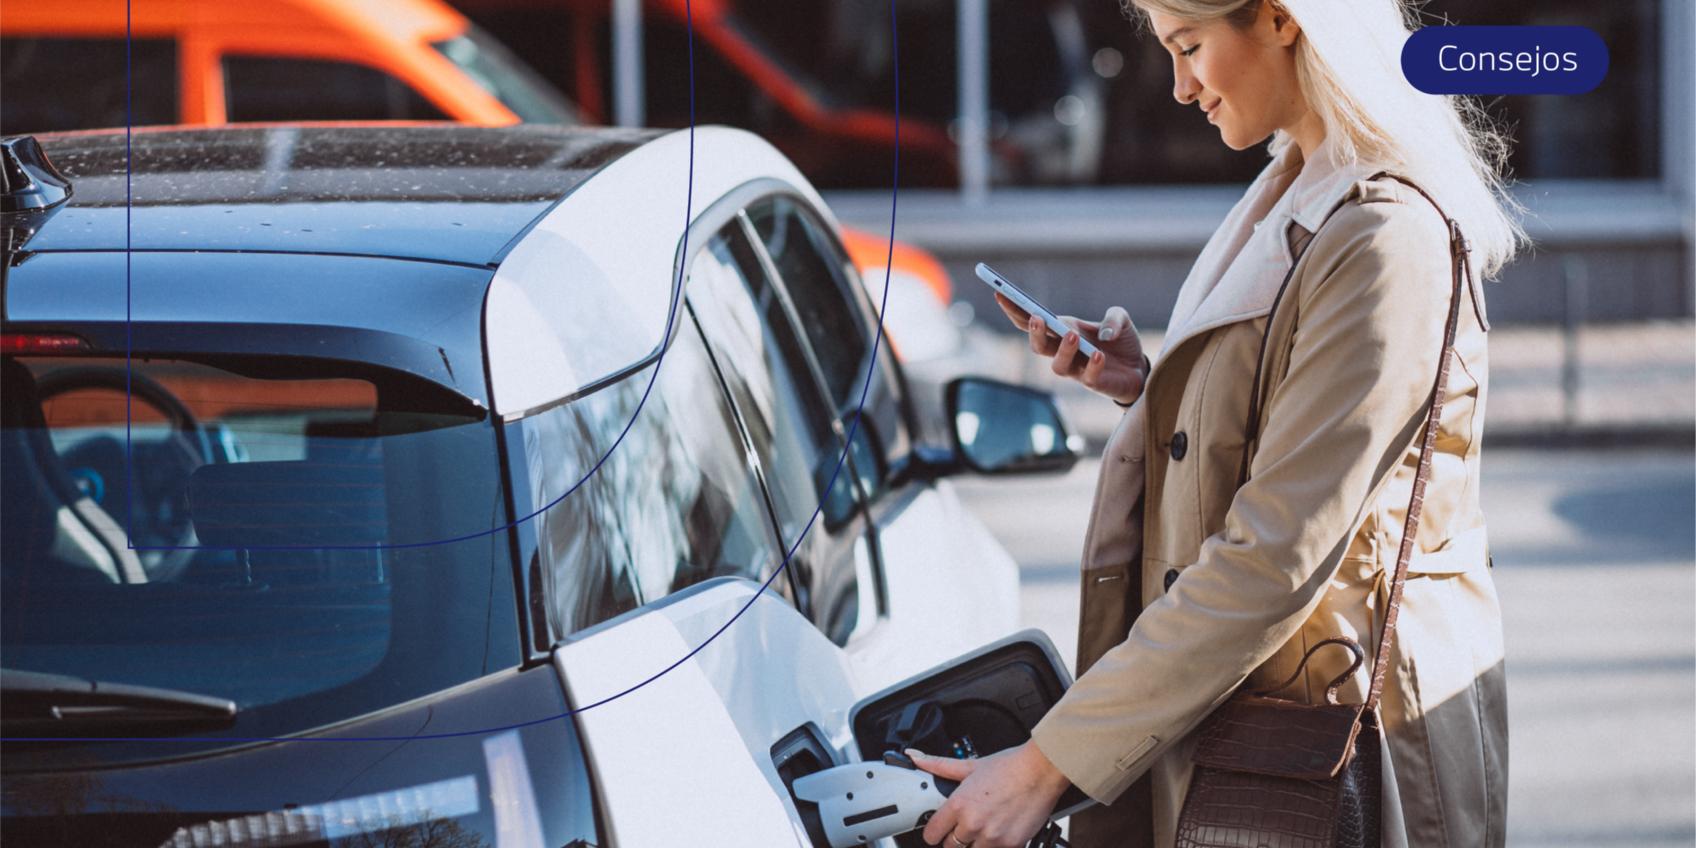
(54, 532)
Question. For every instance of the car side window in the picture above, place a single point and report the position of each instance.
(675, 503)
(824, 289)
(266, 88)
(79, 83)
(764, 365)
(819, 291)
(790, 424)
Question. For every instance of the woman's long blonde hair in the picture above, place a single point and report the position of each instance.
(1348, 64)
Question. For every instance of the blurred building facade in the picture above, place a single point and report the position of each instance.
(1606, 178)
(1041, 135)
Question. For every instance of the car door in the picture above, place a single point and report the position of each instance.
(649, 558)
(947, 586)
(647, 530)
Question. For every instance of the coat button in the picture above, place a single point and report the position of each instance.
(1171, 577)
(1180, 445)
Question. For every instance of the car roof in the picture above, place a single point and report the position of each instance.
(437, 192)
(551, 250)
(588, 295)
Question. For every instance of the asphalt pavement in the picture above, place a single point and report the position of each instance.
(1596, 565)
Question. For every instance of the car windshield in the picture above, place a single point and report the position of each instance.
(503, 75)
(268, 541)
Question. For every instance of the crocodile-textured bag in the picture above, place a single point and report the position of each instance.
(1277, 773)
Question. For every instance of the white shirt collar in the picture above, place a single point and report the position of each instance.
(1322, 184)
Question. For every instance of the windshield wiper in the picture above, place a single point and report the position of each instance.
(38, 703)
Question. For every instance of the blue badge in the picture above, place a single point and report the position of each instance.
(1505, 60)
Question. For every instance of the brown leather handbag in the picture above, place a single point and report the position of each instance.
(1273, 772)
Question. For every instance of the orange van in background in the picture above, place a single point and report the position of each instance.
(200, 62)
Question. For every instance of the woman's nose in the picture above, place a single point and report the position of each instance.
(1185, 89)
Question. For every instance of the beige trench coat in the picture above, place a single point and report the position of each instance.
(1219, 587)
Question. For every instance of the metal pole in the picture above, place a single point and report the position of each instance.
(1574, 298)
(973, 32)
(627, 63)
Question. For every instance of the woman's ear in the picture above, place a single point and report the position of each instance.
(1285, 30)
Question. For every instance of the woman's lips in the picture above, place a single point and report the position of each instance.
(1211, 111)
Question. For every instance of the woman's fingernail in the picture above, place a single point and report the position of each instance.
(1107, 334)
(913, 753)
(1097, 357)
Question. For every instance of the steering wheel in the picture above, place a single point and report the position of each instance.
(160, 517)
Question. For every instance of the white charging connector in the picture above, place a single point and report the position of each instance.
(860, 803)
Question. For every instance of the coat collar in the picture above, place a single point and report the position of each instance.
(1240, 270)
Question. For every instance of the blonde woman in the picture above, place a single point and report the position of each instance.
(1193, 586)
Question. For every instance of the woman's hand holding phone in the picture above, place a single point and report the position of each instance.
(1116, 370)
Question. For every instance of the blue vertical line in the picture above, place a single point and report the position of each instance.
(895, 185)
(129, 326)
(889, 248)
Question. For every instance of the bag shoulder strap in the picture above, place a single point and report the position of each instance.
(1460, 265)
(1461, 269)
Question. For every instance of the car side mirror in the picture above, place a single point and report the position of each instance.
(1000, 428)
(837, 504)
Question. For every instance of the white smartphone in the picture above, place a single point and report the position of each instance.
(1029, 304)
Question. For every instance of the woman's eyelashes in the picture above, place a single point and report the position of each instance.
(1189, 51)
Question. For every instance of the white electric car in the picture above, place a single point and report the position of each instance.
(368, 480)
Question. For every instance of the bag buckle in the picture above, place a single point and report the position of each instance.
(1457, 239)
